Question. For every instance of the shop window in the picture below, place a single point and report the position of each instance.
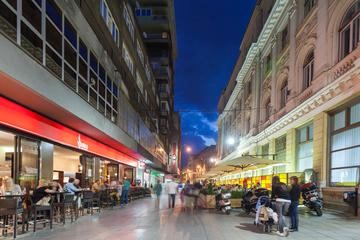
(54, 13)
(53, 62)
(53, 37)
(305, 148)
(70, 54)
(29, 162)
(280, 151)
(70, 77)
(345, 147)
(31, 42)
(349, 30)
(308, 70)
(7, 154)
(32, 14)
(8, 21)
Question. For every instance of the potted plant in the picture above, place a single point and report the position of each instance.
(207, 197)
(236, 198)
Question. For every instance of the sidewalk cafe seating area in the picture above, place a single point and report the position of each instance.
(18, 212)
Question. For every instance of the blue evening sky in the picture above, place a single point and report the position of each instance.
(209, 34)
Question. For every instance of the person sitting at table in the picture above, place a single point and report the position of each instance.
(56, 186)
(115, 186)
(10, 188)
(42, 192)
(96, 186)
(70, 186)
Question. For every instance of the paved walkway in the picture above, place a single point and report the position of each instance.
(141, 220)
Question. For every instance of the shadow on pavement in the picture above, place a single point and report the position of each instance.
(251, 228)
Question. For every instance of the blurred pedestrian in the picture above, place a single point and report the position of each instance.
(125, 192)
(294, 196)
(172, 188)
(280, 192)
(158, 190)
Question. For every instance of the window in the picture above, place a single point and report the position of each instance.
(345, 146)
(305, 147)
(109, 21)
(139, 52)
(283, 94)
(139, 82)
(128, 22)
(349, 31)
(128, 59)
(147, 72)
(308, 70)
(268, 63)
(143, 12)
(308, 5)
(8, 24)
(284, 38)
(265, 151)
(280, 151)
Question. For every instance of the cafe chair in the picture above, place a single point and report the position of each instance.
(9, 208)
(88, 201)
(40, 213)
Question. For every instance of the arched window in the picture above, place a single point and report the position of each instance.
(308, 70)
(349, 30)
(283, 94)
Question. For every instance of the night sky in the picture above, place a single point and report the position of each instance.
(209, 34)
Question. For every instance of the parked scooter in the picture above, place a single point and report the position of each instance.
(223, 203)
(249, 201)
(311, 198)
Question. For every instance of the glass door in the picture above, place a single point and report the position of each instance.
(28, 164)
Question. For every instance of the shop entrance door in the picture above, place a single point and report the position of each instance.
(27, 164)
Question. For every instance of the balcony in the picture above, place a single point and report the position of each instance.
(154, 20)
(164, 113)
(163, 72)
(157, 37)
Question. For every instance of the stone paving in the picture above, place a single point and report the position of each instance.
(141, 220)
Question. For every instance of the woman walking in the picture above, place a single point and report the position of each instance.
(294, 196)
(158, 190)
(280, 192)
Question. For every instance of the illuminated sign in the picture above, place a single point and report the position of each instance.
(141, 164)
(82, 145)
(20, 118)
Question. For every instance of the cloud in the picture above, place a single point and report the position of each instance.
(212, 125)
(207, 141)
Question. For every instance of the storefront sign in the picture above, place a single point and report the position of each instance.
(82, 145)
(141, 164)
(20, 118)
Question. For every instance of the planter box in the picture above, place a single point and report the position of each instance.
(236, 202)
(208, 201)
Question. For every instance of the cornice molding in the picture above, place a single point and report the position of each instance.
(280, 7)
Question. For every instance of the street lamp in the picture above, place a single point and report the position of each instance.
(212, 160)
(230, 141)
(188, 149)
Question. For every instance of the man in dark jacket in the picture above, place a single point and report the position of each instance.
(294, 196)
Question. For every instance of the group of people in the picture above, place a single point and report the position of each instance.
(286, 201)
(121, 192)
(172, 190)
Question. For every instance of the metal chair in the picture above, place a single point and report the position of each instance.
(39, 211)
(10, 207)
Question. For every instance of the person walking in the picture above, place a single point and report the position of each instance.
(172, 188)
(158, 190)
(280, 192)
(294, 197)
(125, 192)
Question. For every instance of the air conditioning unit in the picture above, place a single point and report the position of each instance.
(92, 81)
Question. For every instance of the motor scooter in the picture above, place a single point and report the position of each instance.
(223, 203)
(311, 198)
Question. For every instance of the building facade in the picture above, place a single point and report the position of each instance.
(79, 96)
(199, 164)
(294, 94)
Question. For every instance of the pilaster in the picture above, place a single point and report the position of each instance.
(321, 50)
(291, 150)
(319, 146)
(292, 50)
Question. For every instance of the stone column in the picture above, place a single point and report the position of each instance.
(320, 147)
(321, 50)
(291, 150)
(292, 51)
